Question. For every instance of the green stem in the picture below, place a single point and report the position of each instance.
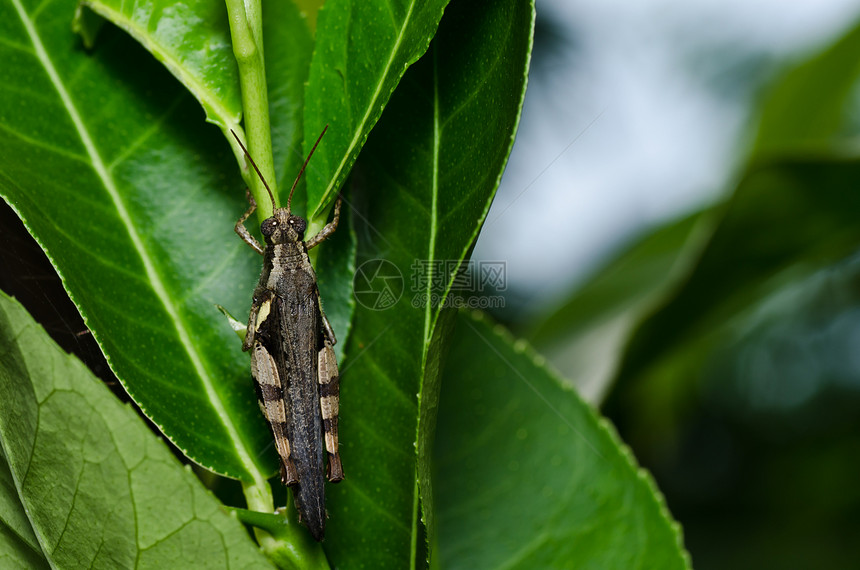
(259, 499)
(255, 103)
(246, 31)
(286, 542)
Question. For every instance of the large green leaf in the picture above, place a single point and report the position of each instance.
(363, 49)
(100, 490)
(425, 181)
(133, 198)
(528, 476)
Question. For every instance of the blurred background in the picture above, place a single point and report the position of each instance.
(636, 112)
(680, 222)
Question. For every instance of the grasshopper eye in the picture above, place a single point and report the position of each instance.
(268, 226)
(298, 224)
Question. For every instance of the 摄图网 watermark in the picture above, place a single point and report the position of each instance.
(378, 284)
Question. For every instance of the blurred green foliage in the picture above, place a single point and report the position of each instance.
(723, 345)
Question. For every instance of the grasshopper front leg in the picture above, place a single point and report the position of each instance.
(328, 229)
(243, 231)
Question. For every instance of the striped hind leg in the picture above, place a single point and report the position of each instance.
(270, 396)
(329, 380)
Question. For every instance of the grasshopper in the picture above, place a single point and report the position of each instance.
(292, 359)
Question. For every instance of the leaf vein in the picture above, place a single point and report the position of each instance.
(39, 144)
(16, 46)
(154, 127)
(365, 497)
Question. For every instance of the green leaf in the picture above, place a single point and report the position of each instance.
(363, 49)
(424, 183)
(99, 488)
(134, 199)
(528, 476)
(310, 8)
(806, 107)
(191, 39)
(584, 338)
(289, 46)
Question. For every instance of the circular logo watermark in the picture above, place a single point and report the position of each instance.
(377, 284)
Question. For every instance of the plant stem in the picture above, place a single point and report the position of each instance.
(247, 32)
(285, 542)
(255, 104)
(259, 498)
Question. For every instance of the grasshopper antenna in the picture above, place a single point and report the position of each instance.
(260, 174)
(308, 159)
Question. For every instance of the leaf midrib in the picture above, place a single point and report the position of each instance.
(428, 309)
(152, 275)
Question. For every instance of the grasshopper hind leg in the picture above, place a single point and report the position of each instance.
(289, 476)
(270, 396)
(329, 380)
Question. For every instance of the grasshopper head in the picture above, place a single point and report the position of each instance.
(283, 227)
